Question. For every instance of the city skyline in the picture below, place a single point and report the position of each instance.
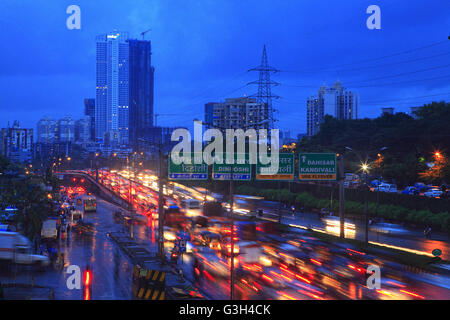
(196, 65)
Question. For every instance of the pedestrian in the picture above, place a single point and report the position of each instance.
(427, 232)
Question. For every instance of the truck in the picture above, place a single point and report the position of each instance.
(15, 248)
(49, 229)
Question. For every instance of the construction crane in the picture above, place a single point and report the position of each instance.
(143, 33)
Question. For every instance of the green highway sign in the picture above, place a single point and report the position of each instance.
(436, 252)
(317, 166)
(241, 171)
(192, 171)
(286, 168)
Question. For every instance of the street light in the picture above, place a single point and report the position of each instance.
(365, 168)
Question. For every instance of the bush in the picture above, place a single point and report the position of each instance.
(319, 197)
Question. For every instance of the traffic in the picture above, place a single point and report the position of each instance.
(268, 264)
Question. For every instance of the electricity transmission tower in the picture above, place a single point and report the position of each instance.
(265, 85)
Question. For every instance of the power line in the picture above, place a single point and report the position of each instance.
(378, 85)
(378, 78)
(403, 74)
(381, 65)
(372, 59)
(403, 99)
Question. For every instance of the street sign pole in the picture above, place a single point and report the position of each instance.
(160, 208)
(232, 235)
(341, 195)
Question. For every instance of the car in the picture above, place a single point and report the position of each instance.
(410, 190)
(421, 187)
(433, 193)
(385, 187)
(392, 188)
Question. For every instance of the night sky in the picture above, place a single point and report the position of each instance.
(202, 50)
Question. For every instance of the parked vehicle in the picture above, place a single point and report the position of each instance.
(385, 187)
(410, 190)
(49, 229)
(433, 193)
(16, 248)
(392, 188)
(421, 187)
(351, 180)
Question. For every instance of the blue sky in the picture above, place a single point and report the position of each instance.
(202, 50)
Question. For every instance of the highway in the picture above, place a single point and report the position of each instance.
(292, 265)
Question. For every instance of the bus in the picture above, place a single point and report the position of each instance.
(192, 207)
(89, 204)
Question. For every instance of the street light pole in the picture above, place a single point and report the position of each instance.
(366, 210)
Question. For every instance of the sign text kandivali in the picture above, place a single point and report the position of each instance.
(317, 166)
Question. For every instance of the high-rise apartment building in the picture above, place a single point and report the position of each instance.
(66, 129)
(141, 82)
(16, 143)
(112, 88)
(124, 97)
(47, 130)
(237, 113)
(89, 111)
(335, 101)
(82, 130)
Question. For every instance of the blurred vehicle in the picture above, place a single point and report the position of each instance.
(410, 190)
(169, 234)
(173, 217)
(5, 227)
(394, 290)
(75, 216)
(209, 239)
(16, 248)
(433, 193)
(192, 207)
(388, 228)
(226, 246)
(85, 228)
(79, 201)
(89, 204)
(333, 226)
(211, 264)
(49, 229)
(273, 277)
(251, 252)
